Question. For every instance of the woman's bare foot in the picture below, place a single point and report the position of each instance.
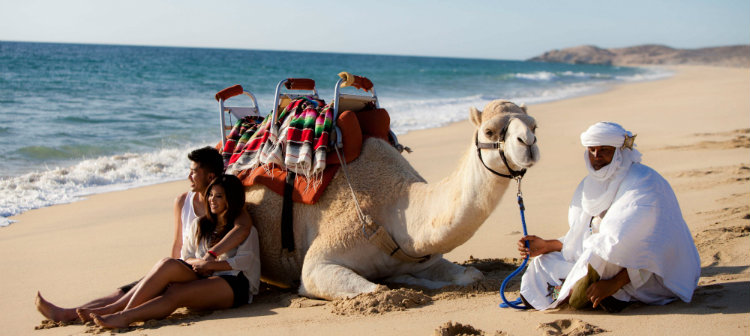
(112, 321)
(53, 312)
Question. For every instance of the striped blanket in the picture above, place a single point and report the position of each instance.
(298, 141)
(238, 138)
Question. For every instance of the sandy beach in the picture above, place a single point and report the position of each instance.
(693, 128)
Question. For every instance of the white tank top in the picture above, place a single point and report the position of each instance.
(188, 213)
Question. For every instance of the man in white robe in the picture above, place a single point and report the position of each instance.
(627, 239)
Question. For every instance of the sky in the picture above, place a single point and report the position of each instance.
(500, 29)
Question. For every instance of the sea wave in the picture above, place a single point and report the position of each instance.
(61, 152)
(415, 114)
(645, 74)
(537, 76)
(108, 173)
(649, 74)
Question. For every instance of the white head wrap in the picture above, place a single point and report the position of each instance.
(600, 186)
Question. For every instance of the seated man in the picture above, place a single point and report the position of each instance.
(205, 164)
(627, 239)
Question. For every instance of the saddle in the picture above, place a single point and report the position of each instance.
(361, 119)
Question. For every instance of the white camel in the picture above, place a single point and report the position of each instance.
(334, 257)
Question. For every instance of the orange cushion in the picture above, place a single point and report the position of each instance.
(375, 123)
(351, 134)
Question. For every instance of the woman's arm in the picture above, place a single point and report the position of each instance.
(205, 267)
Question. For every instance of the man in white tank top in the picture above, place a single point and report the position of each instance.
(205, 164)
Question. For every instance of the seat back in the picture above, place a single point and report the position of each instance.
(282, 99)
(373, 120)
(228, 115)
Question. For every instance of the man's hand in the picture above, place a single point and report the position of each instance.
(603, 289)
(537, 246)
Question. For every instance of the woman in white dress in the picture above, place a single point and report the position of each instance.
(229, 281)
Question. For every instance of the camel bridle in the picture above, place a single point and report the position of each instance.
(500, 146)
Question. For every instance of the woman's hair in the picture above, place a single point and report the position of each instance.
(212, 227)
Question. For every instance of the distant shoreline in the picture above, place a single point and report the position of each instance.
(649, 54)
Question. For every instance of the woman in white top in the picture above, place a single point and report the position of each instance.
(229, 281)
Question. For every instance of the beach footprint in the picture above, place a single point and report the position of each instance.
(569, 327)
(454, 329)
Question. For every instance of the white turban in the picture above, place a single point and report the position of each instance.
(604, 134)
(600, 186)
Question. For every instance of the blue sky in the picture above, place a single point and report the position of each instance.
(470, 28)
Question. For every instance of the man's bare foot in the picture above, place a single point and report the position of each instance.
(85, 313)
(53, 312)
(112, 321)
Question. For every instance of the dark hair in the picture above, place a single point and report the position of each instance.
(212, 227)
(209, 159)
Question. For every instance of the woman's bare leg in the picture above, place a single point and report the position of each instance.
(164, 273)
(211, 293)
(60, 314)
(84, 313)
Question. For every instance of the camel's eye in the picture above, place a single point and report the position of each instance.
(488, 133)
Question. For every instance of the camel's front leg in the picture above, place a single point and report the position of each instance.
(439, 274)
(325, 279)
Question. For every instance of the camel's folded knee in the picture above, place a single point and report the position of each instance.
(331, 281)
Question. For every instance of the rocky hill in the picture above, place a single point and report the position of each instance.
(732, 56)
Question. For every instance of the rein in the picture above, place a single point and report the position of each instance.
(516, 303)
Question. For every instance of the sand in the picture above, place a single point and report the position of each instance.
(693, 128)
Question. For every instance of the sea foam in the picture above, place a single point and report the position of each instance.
(64, 185)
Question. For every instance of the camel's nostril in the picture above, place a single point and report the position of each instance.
(525, 143)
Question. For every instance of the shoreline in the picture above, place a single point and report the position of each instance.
(686, 127)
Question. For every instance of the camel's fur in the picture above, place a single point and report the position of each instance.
(333, 258)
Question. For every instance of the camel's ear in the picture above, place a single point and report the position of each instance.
(475, 116)
(523, 107)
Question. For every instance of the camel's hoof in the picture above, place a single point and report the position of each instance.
(470, 276)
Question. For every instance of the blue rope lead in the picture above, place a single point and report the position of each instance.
(516, 303)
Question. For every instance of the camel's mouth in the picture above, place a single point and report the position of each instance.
(530, 158)
(525, 164)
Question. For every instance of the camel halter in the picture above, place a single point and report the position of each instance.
(500, 146)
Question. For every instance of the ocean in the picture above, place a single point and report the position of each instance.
(76, 120)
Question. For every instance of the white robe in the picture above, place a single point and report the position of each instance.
(642, 231)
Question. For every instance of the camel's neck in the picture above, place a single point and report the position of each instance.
(454, 208)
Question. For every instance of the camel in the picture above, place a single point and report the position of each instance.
(333, 256)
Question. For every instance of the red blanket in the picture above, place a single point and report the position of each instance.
(305, 191)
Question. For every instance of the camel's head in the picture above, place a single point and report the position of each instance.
(518, 142)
